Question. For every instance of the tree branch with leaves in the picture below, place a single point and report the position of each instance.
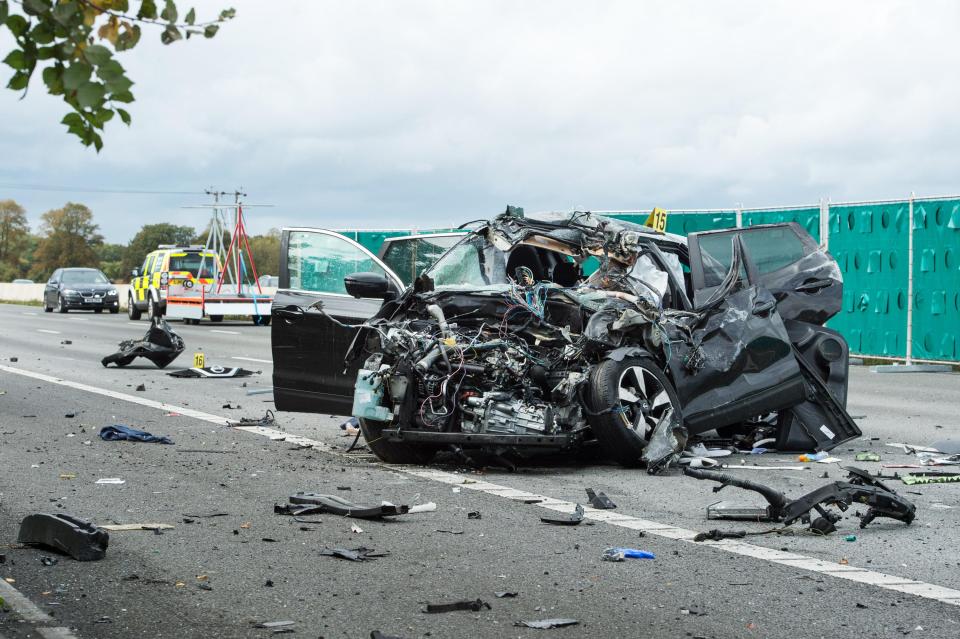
(71, 41)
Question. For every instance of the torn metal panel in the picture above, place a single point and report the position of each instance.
(160, 345)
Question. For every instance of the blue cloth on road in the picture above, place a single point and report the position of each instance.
(119, 432)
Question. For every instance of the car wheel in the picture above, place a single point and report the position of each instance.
(61, 305)
(393, 452)
(46, 308)
(133, 312)
(216, 318)
(630, 396)
(152, 309)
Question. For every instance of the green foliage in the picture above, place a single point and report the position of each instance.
(266, 252)
(69, 238)
(111, 261)
(149, 237)
(14, 231)
(58, 36)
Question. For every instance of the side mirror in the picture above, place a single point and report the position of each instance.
(372, 285)
(135, 272)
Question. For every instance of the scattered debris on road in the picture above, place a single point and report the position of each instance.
(599, 500)
(861, 489)
(212, 372)
(119, 432)
(619, 554)
(352, 554)
(474, 606)
(70, 535)
(547, 624)
(314, 504)
(560, 519)
(160, 345)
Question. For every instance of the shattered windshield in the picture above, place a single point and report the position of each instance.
(472, 263)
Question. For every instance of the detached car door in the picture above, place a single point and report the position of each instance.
(739, 363)
(312, 318)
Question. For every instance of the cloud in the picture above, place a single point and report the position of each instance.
(385, 114)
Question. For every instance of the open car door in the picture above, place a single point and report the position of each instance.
(786, 264)
(740, 364)
(312, 319)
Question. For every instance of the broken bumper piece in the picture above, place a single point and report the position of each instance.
(73, 536)
(313, 504)
(160, 345)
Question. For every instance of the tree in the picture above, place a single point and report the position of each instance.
(58, 35)
(111, 260)
(266, 252)
(13, 231)
(149, 237)
(69, 238)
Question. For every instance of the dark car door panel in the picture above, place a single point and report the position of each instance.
(314, 320)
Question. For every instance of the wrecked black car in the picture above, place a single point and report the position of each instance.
(535, 335)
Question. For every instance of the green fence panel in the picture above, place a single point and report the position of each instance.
(936, 279)
(869, 241)
(808, 218)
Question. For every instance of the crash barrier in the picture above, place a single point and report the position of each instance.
(34, 293)
(901, 297)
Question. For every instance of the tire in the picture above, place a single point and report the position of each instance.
(46, 309)
(133, 312)
(623, 433)
(216, 318)
(261, 320)
(61, 307)
(393, 452)
(153, 310)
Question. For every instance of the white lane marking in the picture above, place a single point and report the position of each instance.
(44, 330)
(79, 319)
(217, 330)
(793, 560)
(254, 359)
(31, 613)
(29, 313)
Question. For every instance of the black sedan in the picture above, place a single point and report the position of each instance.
(80, 288)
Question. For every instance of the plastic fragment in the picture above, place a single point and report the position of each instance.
(570, 519)
(619, 554)
(474, 606)
(546, 624)
(599, 500)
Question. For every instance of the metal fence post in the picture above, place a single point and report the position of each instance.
(825, 223)
(910, 281)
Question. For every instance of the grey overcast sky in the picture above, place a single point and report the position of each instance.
(406, 113)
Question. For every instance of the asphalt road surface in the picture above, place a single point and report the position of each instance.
(220, 576)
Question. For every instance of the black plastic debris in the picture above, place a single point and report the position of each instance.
(215, 372)
(376, 634)
(474, 606)
(474, 515)
(140, 388)
(352, 554)
(70, 415)
(717, 535)
(505, 595)
(68, 534)
(599, 500)
(160, 345)
(267, 420)
(119, 432)
(313, 504)
(561, 519)
(66, 341)
(546, 624)
(861, 489)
